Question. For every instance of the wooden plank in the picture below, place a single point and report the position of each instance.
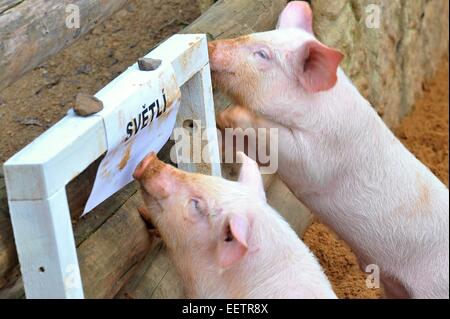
(31, 31)
(8, 257)
(281, 199)
(8, 4)
(156, 278)
(12, 286)
(204, 4)
(89, 223)
(170, 284)
(226, 19)
(109, 256)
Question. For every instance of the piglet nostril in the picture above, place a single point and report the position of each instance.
(142, 167)
(137, 172)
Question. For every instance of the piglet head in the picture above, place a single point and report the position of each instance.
(276, 65)
(202, 219)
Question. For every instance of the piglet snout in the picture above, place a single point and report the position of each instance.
(148, 167)
(221, 55)
(157, 178)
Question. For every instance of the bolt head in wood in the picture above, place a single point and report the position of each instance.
(148, 64)
(86, 104)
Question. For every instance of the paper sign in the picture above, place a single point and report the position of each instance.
(139, 115)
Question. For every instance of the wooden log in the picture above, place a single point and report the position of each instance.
(281, 198)
(8, 4)
(8, 257)
(110, 255)
(155, 278)
(233, 18)
(113, 239)
(204, 4)
(31, 31)
(12, 285)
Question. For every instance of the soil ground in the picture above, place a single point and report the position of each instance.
(43, 96)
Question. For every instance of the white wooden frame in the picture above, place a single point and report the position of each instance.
(37, 175)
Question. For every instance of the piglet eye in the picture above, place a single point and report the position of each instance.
(262, 54)
(197, 205)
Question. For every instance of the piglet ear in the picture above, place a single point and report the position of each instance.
(250, 175)
(316, 66)
(296, 14)
(232, 244)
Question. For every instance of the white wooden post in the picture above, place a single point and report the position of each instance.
(198, 115)
(48, 259)
(37, 175)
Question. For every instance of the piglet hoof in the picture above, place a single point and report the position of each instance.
(148, 64)
(145, 214)
(86, 105)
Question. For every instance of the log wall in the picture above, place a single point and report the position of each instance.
(31, 31)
